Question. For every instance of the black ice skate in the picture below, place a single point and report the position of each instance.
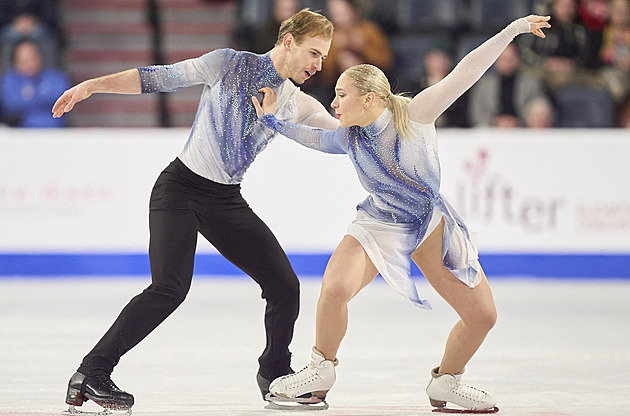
(101, 390)
(263, 385)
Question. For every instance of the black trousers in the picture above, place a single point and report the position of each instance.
(183, 204)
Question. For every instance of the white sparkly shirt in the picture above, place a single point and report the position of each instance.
(225, 137)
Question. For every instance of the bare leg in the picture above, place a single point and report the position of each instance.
(475, 306)
(348, 271)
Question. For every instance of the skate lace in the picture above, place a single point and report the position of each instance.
(303, 377)
(109, 383)
(469, 392)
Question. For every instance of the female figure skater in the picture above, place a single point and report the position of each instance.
(391, 141)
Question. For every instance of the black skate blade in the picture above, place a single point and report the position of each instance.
(297, 403)
(467, 411)
(73, 411)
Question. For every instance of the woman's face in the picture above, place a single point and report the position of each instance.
(27, 59)
(349, 103)
(563, 11)
(342, 14)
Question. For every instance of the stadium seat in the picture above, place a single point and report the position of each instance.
(385, 14)
(255, 13)
(467, 43)
(409, 51)
(489, 16)
(584, 106)
(423, 16)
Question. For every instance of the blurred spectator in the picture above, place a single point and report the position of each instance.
(509, 96)
(594, 15)
(624, 114)
(32, 19)
(566, 51)
(437, 64)
(355, 41)
(615, 51)
(539, 114)
(28, 91)
(262, 39)
(46, 11)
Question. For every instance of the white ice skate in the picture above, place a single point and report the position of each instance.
(306, 389)
(448, 388)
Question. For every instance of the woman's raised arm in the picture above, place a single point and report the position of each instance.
(430, 103)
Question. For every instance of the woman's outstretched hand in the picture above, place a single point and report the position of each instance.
(269, 104)
(537, 24)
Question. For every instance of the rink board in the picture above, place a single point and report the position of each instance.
(540, 203)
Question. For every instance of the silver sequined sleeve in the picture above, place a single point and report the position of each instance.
(328, 141)
(167, 78)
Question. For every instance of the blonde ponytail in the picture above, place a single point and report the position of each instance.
(368, 78)
(397, 104)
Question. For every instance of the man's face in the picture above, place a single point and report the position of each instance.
(305, 59)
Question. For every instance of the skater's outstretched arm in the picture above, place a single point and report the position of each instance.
(157, 78)
(126, 82)
(328, 141)
(430, 103)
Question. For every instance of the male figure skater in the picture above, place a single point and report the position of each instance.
(200, 192)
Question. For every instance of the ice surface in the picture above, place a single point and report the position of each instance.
(560, 347)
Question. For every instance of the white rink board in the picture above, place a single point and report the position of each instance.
(524, 191)
(541, 191)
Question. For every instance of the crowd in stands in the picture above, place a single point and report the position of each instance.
(30, 81)
(579, 76)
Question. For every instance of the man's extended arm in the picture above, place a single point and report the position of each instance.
(125, 82)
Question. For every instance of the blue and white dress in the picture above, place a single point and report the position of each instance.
(402, 176)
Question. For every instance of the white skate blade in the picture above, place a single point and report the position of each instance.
(467, 411)
(297, 403)
(73, 411)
